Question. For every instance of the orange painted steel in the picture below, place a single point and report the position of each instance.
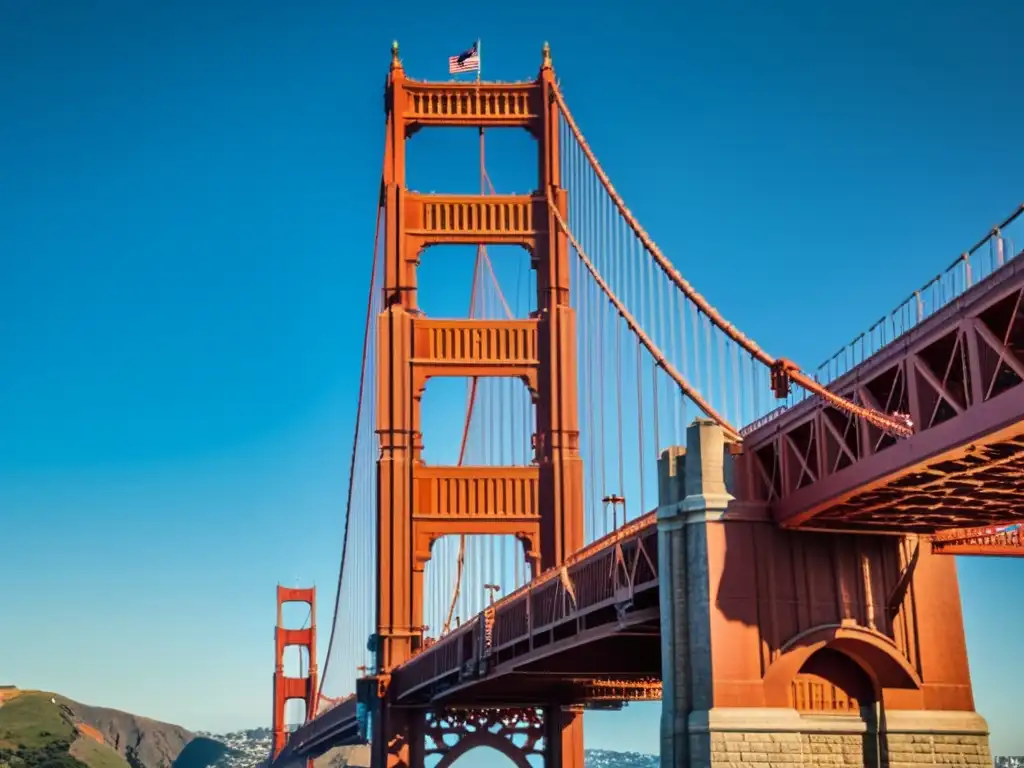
(988, 541)
(599, 572)
(468, 105)
(289, 688)
(474, 348)
(970, 267)
(468, 219)
(587, 627)
(569, 605)
(523, 647)
(468, 500)
(541, 505)
(333, 727)
(414, 348)
(960, 378)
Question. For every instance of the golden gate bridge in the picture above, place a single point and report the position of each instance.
(646, 504)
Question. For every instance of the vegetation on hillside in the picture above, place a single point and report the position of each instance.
(31, 721)
(35, 734)
(143, 742)
(43, 730)
(56, 754)
(96, 754)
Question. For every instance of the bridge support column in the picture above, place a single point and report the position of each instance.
(397, 738)
(675, 658)
(801, 649)
(563, 731)
(691, 490)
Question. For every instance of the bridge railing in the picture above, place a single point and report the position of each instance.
(341, 715)
(592, 579)
(985, 257)
(442, 657)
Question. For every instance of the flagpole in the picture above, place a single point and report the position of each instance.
(481, 249)
(479, 74)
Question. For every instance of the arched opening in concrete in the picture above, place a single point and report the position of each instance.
(836, 698)
(831, 683)
(875, 655)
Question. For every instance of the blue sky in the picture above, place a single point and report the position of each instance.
(187, 193)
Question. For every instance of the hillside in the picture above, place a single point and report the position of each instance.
(44, 730)
(144, 743)
(249, 749)
(39, 729)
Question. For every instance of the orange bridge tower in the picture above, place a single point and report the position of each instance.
(417, 503)
(303, 687)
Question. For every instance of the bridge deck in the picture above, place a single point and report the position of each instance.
(336, 727)
(959, 374)
(590, 633)
(587, 633)
(573, 630)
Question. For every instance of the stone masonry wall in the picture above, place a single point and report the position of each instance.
(910, 750)
(784, 750)
(789, 750)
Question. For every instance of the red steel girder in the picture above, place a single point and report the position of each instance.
(959, 375)
(987, 541)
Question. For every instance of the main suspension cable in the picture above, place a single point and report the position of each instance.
(781, 366)
(646, 340)
(355, 439)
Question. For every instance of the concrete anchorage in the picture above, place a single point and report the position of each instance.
(783, 648)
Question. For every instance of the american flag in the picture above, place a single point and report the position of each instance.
(467, 61)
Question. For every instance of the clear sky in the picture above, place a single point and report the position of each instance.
(187, 194)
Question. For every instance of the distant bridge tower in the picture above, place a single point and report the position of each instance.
(289, 688)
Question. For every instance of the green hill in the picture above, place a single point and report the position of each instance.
(45, 730)
(31, 721)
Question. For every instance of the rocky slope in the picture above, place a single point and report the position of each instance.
(38, 728)
(144, 743)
